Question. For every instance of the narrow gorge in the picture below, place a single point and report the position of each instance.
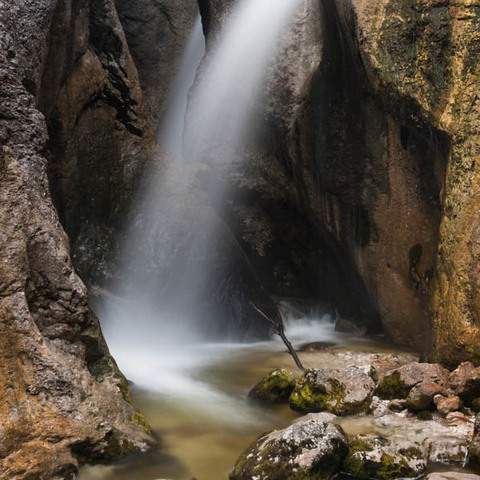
(176, 174)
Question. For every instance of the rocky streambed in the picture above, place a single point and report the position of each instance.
(417, 417)
(361, 407)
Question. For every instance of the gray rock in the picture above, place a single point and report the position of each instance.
(342, 392)
(377, 457)
(308, 449)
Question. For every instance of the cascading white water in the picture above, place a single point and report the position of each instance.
(170, 131)
(232, 79)
(153, 346)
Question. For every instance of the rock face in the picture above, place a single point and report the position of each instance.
(99, 138)
(377, 457)
(341, 392)
(271, 180)
(422, 60)
(307, 450)
(157, 32)
(63, 398)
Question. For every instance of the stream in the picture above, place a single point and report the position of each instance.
(195, 397)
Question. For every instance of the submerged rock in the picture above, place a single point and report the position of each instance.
(342, 392)
(398, 383)
(377, 457)
(275, 387)
(306, 450)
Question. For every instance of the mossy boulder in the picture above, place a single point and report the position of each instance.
(307, 450)
(379, 458)
(398, 383)
(276, 387)
(342, 392)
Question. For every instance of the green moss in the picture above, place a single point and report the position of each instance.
(388, 467)
(392, 386)
(275, 387)
(140, 420)
(117, 448)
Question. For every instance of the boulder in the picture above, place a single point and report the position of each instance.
(274, 388)
(306, 450)
(465, 382)
(449, 404)
(380, 458)
(421, 396)
(446, 444)
(342, 392)
(398, 383)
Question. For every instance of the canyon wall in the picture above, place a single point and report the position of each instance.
(63, 399)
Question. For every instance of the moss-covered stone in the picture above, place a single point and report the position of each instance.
(306, 450)
(377, 457)
(276, 387)
(342, 392)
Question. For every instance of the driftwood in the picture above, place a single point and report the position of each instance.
(277, 324)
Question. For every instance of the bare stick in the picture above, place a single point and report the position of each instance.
(278, 326)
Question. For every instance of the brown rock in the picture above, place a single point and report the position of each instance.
(476, 405)
(449, 404)
(421, 395)
(465, 382)
(62, 397)
(398, 383)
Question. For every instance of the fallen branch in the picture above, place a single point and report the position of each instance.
(277, 324)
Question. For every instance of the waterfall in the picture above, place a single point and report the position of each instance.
(176, 225)
(170, 131)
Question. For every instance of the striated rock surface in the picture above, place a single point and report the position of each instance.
(341, 392)
(63, 399)
(307, 450)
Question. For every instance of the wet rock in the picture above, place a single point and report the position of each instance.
(306, 450)
(465, 382)
(377, 457)
(449, 404)
(421, 396)
(398, 383)
(276, 387)
(319, 417)
(342, 392)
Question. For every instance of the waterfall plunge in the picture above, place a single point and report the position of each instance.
(154, 342)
